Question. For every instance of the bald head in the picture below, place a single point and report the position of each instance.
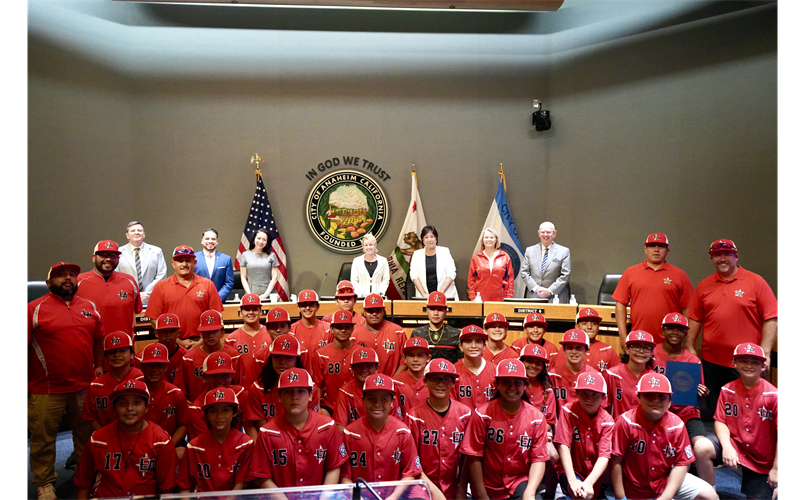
(547, 232)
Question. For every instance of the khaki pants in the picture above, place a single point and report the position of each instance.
(44, 415)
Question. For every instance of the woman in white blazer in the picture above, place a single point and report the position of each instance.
(441, 275)
(364, 280)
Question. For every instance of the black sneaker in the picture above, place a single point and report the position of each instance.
(71, 463)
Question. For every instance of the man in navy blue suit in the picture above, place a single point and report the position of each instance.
(214, 265)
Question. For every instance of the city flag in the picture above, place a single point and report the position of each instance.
(500, 219)
(260, 216)
(407, 242)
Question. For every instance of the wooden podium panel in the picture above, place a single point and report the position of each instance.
(607, 314)
(416, 308)
(520, 310)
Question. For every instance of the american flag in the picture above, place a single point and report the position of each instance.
(260, 215)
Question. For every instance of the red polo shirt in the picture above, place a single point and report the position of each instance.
(170, 296)
(117, 299)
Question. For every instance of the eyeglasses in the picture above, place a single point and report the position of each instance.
(722, 245)
(440, 380)
(183, 251)
(642, 348)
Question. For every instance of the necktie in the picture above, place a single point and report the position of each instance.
(139, 271)
(544, 261)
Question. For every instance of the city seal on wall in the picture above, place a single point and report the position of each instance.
(343, 206)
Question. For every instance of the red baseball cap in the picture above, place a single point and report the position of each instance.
(64, 265)
(416, 343)
(535, 319)
(278, 315)
(373, 301)
(723, 245)
(364, 355)
(639, 337)
(587, 314)
(591, 381)
(285, 345)
(749, 349)
(155, 353)
(534, 351)
(223, 395)
(250, 299)
(654, 382)
(472, 330)
(136, 387)
(342, 318)
(211, 320)
(307, 296)
(575, 336)
(440, 366)
(116, 340)
(379, 382)
(675, 319)
(295, 377)
(657, 238)
(167, 320)
(345, 289)
(183, 251)
(510, 368)
(494, 318)
(217, 362)
(437, 299)
(106, 246)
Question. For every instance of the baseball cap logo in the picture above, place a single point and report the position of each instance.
(219, 395)
(380, 381)
(115, 340)
(342, 316)
(750, 348)
(495, 318)
(373, 300)
(306, 295)
(657, 237)
(285, 344)
(589, 380)
(677, 317)
(653, 382)
(417, 342)
(363, 354)
(437, 298)
(128, 385)
(251, 298)
(293, 377)
(209, 319)
(168, 320)
(473, 329)
(443, 366)
(108, 244)
(589, 312)
(156, 352)
(277, 314)
(511, 367)
(220, 361)
(640, 336)
(573, 336)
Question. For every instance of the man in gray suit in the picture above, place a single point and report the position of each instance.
(546, 267)
(144, 262)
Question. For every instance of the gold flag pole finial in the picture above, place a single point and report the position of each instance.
(502, 176)
(412, 165)
(256, 158)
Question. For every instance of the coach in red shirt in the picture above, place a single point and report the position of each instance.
(185, 294)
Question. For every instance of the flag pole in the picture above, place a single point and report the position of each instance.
(502, 176)
(256, 158)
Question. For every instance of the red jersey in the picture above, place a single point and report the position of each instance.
(349, 405)
(622, 388)
(507, 445)
(118, 464)
(564, 383)
(312, 339)
(190, 377)
(413, 391)
(60, 344)
(471, 389)
(544, 400)
(388, 455)
(331, 371)
(265, 405)
(247, 346)
(508, 352)
(97, 403)
(437, 440)
(388, 343)
(649, 451)
(293, 458)
(653, 294)
(550, 349)
(174, 358)
(600, 356)
(117, 299)
(731, 312)
(167, 407)
(660, 360)
(197, 423)
(495, 283)
(208, 465)
(170, 296)
(587, 438)
(751, 416)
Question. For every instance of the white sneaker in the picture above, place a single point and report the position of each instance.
(46, 492)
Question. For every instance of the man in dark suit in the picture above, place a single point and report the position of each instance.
(215, 265)
(546, 267)
(144, 262)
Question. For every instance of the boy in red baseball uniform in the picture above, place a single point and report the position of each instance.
(349, 405)
(476, 376)
(651, 450)
(167, 331)
(217, 372)
(416, 354)
(312, 332)
(331, 363)
(385, 337)
(380, 447)
(130, 456)
(622, 379)
(534, 327)
(299, 447)
(220, 458)
(584, 439)
(118, 350)
(746, 427)
(575, 344)
(438, 425)
(497, 328)
(167, 406)
(600, 355)
(249, 338)
(506, 440)
(346, 298)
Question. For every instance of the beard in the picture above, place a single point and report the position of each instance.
(64, 293)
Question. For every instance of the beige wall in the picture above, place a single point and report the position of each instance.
(669, 128)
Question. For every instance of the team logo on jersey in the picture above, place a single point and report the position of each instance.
(342, 450)
(765, 414)
(235, 468)
(688, 451)
(170, 411)
(511, 367)
(123, 295)
(669, 451)
(345, 205)
(524, 442)
(739, 293)
(589, 380)
(653, 382)
(396, 456)
(86, 313)
(146, 464)
(667, 281)
(388, 346)
(219, 395)
(417, 462)
(602, 365)
(456, 437)
(489, 392)
(321, 454)
(200, 294)
(293, 377)
(443, 366)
